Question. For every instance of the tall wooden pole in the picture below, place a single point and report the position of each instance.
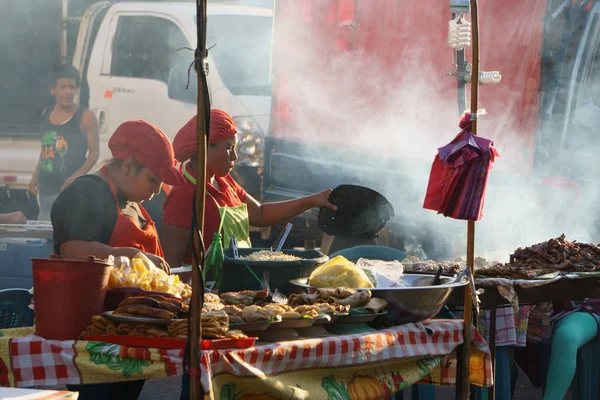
(202, 131)
(464, 389)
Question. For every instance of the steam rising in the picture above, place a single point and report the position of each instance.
(399, 113)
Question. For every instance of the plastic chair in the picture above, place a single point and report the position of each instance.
(14, 308)
(372, 252)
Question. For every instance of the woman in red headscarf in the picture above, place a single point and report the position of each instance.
(229, 209)
(101, 215)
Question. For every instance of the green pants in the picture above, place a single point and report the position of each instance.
(571, 333)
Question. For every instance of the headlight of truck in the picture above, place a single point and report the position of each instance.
(251, 142)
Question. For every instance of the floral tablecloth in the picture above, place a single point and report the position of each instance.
(358, 366)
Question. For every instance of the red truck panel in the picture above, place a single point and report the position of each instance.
(368, 75)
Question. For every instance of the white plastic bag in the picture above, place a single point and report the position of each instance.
(386, 273)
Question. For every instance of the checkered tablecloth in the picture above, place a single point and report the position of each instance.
(31, 360)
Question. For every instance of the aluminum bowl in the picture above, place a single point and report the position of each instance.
(416, 303)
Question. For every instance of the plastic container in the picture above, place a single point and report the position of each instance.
(15, 260)
(67, 293)
(237, 275)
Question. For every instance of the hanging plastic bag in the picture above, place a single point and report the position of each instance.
(339, 272)
(213, 263)
(385, 273)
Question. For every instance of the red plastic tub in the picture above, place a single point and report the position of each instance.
(67, 293)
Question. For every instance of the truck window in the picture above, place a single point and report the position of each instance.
(241, 52)
(146, 47)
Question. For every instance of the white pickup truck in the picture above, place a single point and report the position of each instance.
(134, 57)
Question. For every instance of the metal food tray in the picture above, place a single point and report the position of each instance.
(358, 318)
(293, 323)
(251, 326)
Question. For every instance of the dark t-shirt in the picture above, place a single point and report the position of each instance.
(86, 211)
(64, 149)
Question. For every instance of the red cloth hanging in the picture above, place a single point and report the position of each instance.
(459, 175)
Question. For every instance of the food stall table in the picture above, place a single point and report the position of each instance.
(499, 293)
(352, 366)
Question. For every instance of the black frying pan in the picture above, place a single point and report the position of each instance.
(361, 213)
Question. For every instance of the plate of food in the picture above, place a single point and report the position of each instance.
(152, 309)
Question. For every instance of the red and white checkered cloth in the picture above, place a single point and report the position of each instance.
(36, 361)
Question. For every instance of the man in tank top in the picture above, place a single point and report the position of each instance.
(70, 147)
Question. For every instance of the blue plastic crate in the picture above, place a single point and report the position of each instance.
(15, 260)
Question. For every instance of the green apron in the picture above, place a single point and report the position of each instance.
(235, 223)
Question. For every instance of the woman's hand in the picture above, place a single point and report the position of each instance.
(34, 185)
(322, 200)
(159, 262)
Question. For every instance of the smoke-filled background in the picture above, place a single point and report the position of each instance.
(366, 79)
(363, 86)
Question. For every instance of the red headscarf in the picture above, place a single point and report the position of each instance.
(222, 127)
(148, 146)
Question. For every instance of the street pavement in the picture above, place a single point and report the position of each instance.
(168, 389)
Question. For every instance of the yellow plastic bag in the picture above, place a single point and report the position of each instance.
(339, 272)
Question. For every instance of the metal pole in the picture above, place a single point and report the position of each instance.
(63, 31)
(202, 131)
(464, 389)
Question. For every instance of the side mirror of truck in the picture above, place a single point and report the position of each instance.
(179, 87)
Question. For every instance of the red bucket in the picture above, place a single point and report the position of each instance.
(66, 294)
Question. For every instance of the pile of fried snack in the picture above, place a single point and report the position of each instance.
(254, 306)
(215, 325)
(140, 272)
(339, 299)
(221, 313)
(551, 256)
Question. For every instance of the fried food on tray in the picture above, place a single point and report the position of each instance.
(207, 307)
(215, 325)
(290, 315)
(255, 314)
(277, 309)
(244, 297)
(268, 255)
(172, 306)
(375, 305)
(234, 298)
(328, 308)
(142, 310)
(211, 298)
(300, 299)
(236, 334)
(308, 311)
(357, 299)
(554, 255)
(147, 300)
(236, 319)
(232, 310)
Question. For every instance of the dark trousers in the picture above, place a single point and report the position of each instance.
(104, 391)
(185, 387)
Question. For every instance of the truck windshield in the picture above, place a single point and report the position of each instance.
(241, 49)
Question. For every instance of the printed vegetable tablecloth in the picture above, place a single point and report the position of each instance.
(358, 366)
